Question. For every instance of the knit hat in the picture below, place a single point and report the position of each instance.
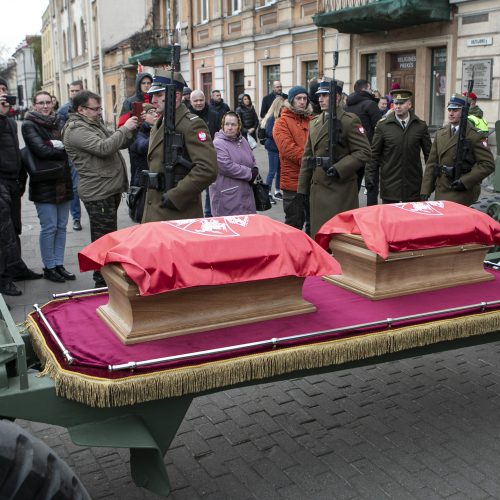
(4, 82)
(294, 91)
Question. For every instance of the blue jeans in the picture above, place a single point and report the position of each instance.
(274, 170)
(76, 211)
(53, 221)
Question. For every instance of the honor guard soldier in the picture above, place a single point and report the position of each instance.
(399, 137)
(331, 182)
(459, 159)
(182, 160)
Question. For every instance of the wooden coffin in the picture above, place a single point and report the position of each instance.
(179, 312)
(367, 274)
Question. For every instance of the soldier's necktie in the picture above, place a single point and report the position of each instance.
(403, 124)
(453, 130)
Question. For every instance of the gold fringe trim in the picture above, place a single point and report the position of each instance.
(138, 388)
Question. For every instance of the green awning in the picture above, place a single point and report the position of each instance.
(384, 15)
(152, 57)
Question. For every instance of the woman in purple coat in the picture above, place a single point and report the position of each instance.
(231, 193)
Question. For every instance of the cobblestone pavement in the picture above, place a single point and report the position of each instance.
(424, 427)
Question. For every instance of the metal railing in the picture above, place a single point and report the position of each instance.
(332, 5)
(148, 39)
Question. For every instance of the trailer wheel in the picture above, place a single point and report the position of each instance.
(30, 470)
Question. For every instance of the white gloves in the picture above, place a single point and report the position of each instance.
(57, 144)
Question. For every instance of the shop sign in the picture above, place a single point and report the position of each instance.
(485, 40)
(482, 76)
(404, 61)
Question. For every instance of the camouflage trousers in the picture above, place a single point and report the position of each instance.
(11, 263)
(103, 218)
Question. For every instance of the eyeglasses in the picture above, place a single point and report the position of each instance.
(43, 103)
(99, 108)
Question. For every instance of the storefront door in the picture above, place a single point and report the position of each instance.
(402, 70)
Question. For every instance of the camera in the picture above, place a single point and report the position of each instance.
(10, 99)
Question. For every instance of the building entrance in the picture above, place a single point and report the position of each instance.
(402, 70)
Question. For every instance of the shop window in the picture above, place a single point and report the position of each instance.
(371, 70)
(310, 71)
(438, 87)
(272, 74)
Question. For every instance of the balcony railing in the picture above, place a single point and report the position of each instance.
(151, 39)
(345, 4)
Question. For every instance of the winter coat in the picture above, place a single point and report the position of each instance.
(248, 117)
(267, 100)
(270, 144)
(329, 196)
(477, 165)
(396, 155)
(95, 153)
(138, 152)
(64, 111)
(186, 194)
(10, 159)
(221, 108)
(290, 134)
(138, 96)
(209, 117)
(37, 132)
(365, 106)
(231, 193)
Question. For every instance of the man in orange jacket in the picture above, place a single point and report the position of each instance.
(290, 134)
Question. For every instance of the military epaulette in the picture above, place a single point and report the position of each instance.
(193, 117)
(383, 119)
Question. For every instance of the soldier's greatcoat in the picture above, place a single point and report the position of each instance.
(199, 149)
(329, 196)
(396, 154)
(479, 163)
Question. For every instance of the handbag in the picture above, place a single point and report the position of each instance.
(41, 170)
(261, 135)
(261, 194)
(136, 198)
(251, 141)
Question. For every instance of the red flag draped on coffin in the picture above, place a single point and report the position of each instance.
(413, 226)
(169, 255)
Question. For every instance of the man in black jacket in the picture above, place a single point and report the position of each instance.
(211, 118)
(200, 107)
(218, 105)
(268, 99)
(12, 266)
(363, 104)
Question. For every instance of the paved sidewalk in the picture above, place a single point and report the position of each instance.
(423, 428)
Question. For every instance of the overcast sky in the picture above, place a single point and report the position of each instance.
(19, 18)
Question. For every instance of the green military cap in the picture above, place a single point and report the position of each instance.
(400, 95)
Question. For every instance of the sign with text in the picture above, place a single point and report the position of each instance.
(482, 76)
(403, 61)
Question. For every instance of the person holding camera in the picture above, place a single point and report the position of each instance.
(102, 171)
(51, 189)
(12, 266)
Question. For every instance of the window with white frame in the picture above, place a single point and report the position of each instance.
(203, 11)
(233, 7)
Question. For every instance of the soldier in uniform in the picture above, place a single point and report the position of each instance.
(336, 189)
(399, 137)
(183, 201)
(478, 163)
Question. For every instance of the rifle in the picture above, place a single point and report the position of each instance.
(462, 143)
(326, 162)
(173, 142)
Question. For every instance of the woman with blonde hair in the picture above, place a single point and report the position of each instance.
(272, 150)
